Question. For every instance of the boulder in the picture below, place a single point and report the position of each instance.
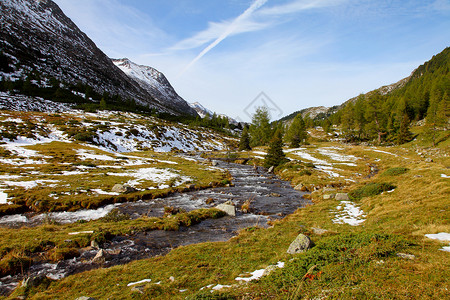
(275, 195)
(428, 160)
(101, 256)
(214, 163)
(85, 298)
(271, 169)
(328, 196)
(300, 187)
(123, 189)
(190, 186)
(342, 197)
(302, 243)
(406, 256)
(228, 208)
(94, 244)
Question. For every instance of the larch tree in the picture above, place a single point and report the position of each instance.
(260, 129)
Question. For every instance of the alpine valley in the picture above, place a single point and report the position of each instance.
(112, 186)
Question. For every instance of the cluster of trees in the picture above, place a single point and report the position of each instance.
(262, 132)
(386, 118)
(216, 122)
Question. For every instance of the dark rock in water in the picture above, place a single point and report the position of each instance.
(101, 256)
(301, 244)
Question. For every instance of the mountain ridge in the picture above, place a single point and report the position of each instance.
(37, 37)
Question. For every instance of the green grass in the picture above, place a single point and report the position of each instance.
(348, 262)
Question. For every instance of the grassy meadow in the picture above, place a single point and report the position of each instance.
(372, 246)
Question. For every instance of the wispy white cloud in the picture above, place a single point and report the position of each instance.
(215, 30)
(298, 6)
(232, 27)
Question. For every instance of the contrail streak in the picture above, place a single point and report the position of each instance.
(230, 29)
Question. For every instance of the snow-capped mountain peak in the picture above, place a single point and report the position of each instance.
(154, 82)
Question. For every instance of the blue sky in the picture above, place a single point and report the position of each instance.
(300, 53)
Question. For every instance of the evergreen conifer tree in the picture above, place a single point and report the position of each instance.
(275, 155)
(296, 134)
(244, 143)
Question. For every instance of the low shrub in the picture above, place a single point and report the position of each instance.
(371, 189)
(395, 171)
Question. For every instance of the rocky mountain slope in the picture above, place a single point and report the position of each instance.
(110, 131)
(155, 83)
(200, 109)
(36, 36)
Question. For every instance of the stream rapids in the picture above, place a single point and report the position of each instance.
(271, 198)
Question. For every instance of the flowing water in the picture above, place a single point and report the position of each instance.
(271, 198)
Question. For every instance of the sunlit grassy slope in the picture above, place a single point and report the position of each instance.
(358, 257)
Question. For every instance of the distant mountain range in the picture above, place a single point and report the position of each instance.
(203, 112)
(414, 88)
(37, 37)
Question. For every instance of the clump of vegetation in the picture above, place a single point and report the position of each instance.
(115, 216)
(395, 171)
(371, 189)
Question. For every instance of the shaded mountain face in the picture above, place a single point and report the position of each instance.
(155, 83)
(37, 36)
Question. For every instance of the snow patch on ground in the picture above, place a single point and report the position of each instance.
(90, 154)
(445, 176)
(4, 198)
(255, 275)
(349, 213)
(159, 176)
(29, 184)
(102, 192)
(442, 236)
(337, 156)
(139, 282)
